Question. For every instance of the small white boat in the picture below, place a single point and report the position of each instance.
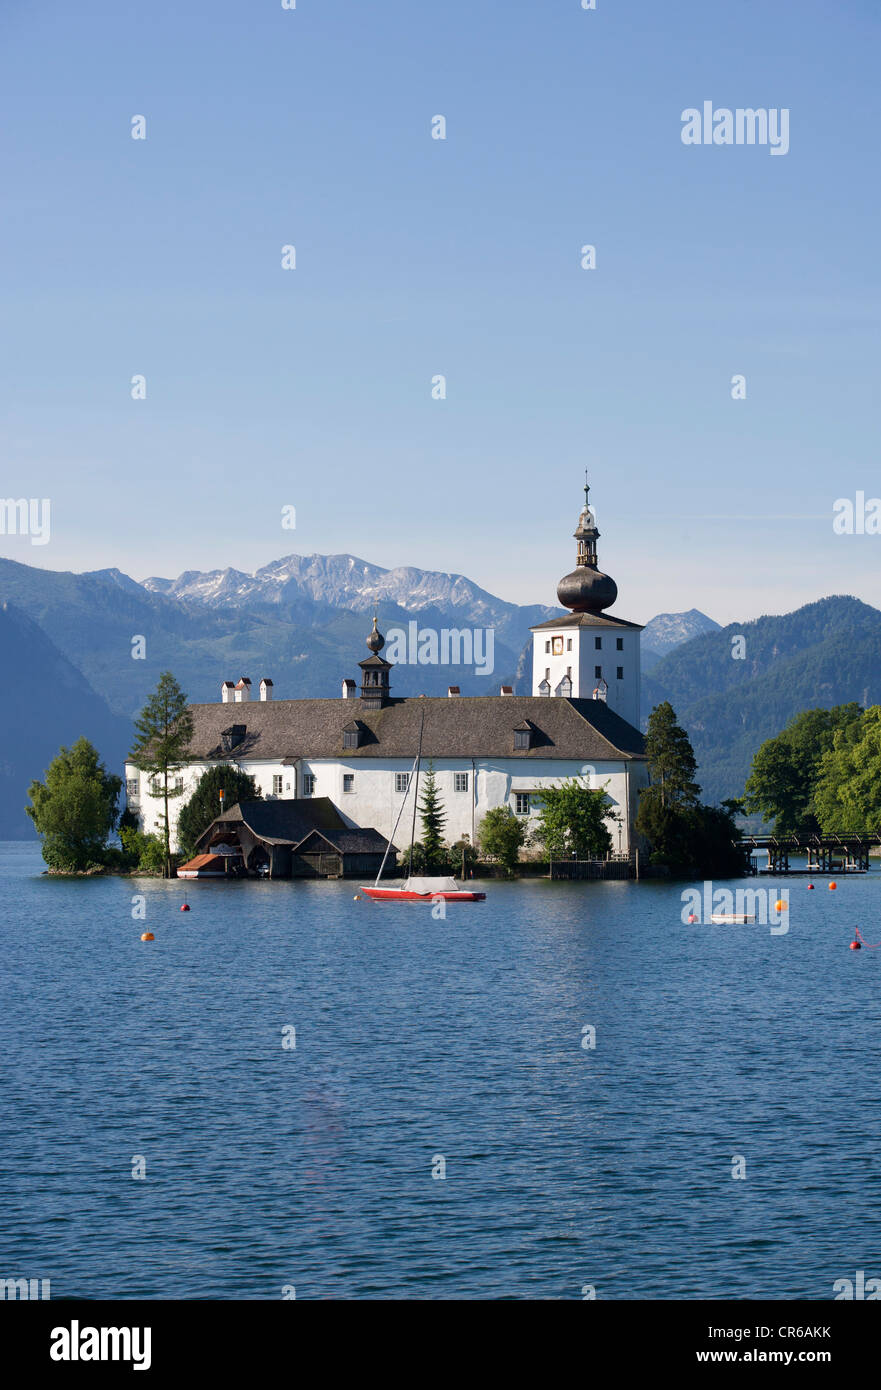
(721, 919)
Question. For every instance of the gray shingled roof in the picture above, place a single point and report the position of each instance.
(468, 727)
(290, 822)
(586, 620)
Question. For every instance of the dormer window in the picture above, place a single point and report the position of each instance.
(230, 738)
(523, 737)
(353, 735)
(544, 687)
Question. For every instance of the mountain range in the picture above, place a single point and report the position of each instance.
(303, 620)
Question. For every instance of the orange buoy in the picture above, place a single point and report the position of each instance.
(832, 885)
(148, 936)
(357, 898)
(780, 905)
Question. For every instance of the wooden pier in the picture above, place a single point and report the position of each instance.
(826, 854)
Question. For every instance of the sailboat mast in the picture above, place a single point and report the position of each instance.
(415, 796)
(395, 830)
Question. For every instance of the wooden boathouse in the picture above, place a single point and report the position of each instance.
(288, 839)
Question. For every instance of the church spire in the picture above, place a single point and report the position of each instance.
(375, 671)
(587, 589)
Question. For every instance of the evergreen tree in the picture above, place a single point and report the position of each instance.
(75, 809)
(204, 805)
(671, 759)
(683, 834)
(163, 731)
(434, 819)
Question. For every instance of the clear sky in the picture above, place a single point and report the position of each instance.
(414, 257)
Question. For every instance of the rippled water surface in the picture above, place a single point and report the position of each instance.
(418, 1038)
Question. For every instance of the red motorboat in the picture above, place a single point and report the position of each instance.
(424, 890)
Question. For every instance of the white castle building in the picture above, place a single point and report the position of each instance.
(357, 751)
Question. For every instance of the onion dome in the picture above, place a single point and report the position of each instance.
(587, 589)
(375, 641)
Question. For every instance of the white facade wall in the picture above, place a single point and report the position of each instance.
(373, 800)
(574, 651)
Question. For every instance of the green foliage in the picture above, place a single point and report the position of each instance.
(847, 794)
(671, 759)
(163, 732)
(573, 820)
(433, 819)
(824, 654)
(786, 769)
(75, 809)
(682, 833)
(204, 804)
(702, 840)
(144, 853)
(501, 835)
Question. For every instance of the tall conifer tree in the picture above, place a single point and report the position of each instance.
(163, 731)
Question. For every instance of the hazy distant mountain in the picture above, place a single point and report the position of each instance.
(344, 581)
(824, 654)
(303, 622)
(47, 703)
(669, 630)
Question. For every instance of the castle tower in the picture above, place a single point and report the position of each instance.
(586, 653)
(375, 672)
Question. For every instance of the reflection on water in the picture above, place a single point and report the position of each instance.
(312, 1166)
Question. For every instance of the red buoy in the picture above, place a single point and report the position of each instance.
(855, 946)
(810, 885)
(691, 916)
(832, 885)
(185, 907)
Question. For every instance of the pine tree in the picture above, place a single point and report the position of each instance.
(163, 732)
(434, 819)
(671, 760)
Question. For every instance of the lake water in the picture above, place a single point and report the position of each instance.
(416, 1038)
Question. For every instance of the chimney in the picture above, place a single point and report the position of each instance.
(348, 690)
(453, 691)
(266, 688)
(242, 691)
(226, 692)
(506, 690)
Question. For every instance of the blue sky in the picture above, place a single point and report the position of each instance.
(312, 387)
